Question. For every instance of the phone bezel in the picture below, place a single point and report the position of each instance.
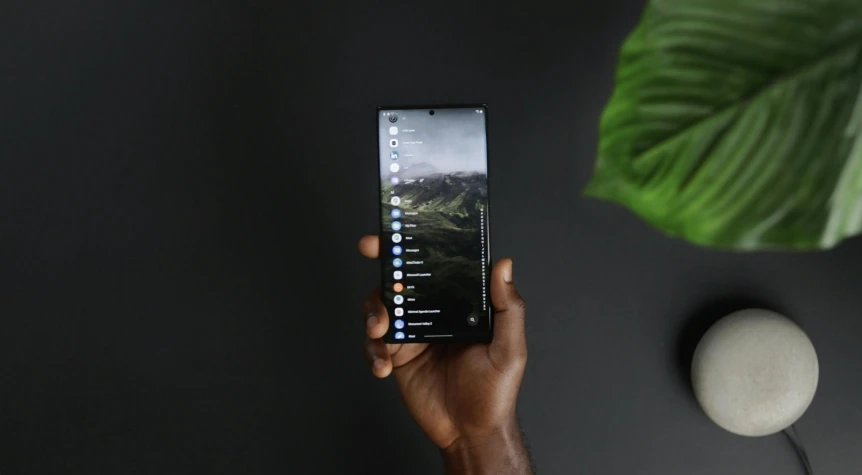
(483, 337)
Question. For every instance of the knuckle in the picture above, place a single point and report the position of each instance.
(520, 304)
(518, 359)
(370, 354)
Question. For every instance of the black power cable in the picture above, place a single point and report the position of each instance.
(794, 438)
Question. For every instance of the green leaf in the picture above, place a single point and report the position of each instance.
(738, 123)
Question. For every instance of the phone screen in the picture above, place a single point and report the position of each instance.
(434, 239)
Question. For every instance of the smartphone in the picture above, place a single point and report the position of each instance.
(434, 223)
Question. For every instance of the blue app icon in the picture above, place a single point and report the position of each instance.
(399, 324)
(399, 335)
(394, 180)
(393, 155)
(396, 225)
(397, 262)
(395, 213)
(396, 250)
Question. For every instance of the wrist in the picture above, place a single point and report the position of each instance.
(500, 451)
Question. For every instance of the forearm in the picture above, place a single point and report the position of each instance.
(500, 453)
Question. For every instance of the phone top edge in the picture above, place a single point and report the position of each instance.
(433, 106)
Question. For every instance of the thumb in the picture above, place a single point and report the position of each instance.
(509, 342)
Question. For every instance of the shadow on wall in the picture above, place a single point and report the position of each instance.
(700, 320)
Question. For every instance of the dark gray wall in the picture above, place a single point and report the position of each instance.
(181, 188)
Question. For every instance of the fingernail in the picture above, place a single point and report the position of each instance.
(507, 273)
(371, 322)
(379, 363)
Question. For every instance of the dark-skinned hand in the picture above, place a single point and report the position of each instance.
(463, 396)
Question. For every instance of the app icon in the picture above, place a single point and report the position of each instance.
(397, 262)
(396, 238)
(394, 180)
(395, 213)
(472, 320)
(398, 287)
(393, 130)
(394, 168)
(396, 250)
(396, 225)
(395, 201)
(393, 155)
(398, 300)
(399, 335)
(397, 275)
(399, 311)
(393, 143)
(399, 324)
(393, 118)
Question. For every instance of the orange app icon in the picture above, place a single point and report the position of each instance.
(398, 287)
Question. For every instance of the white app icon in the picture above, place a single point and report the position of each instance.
(396, 237)
(393, 130)
(397, 275)
(393, 143)
(398, 300)
(395, 201)
(399, 312)
(394, 168)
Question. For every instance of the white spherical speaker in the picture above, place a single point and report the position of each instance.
(755, 372)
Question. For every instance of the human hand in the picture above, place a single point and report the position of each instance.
(462, 396)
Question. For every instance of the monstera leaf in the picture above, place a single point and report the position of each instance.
(738, 123)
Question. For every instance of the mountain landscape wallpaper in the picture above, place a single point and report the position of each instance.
(448, 237)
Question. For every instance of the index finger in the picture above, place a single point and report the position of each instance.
(369, 246)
